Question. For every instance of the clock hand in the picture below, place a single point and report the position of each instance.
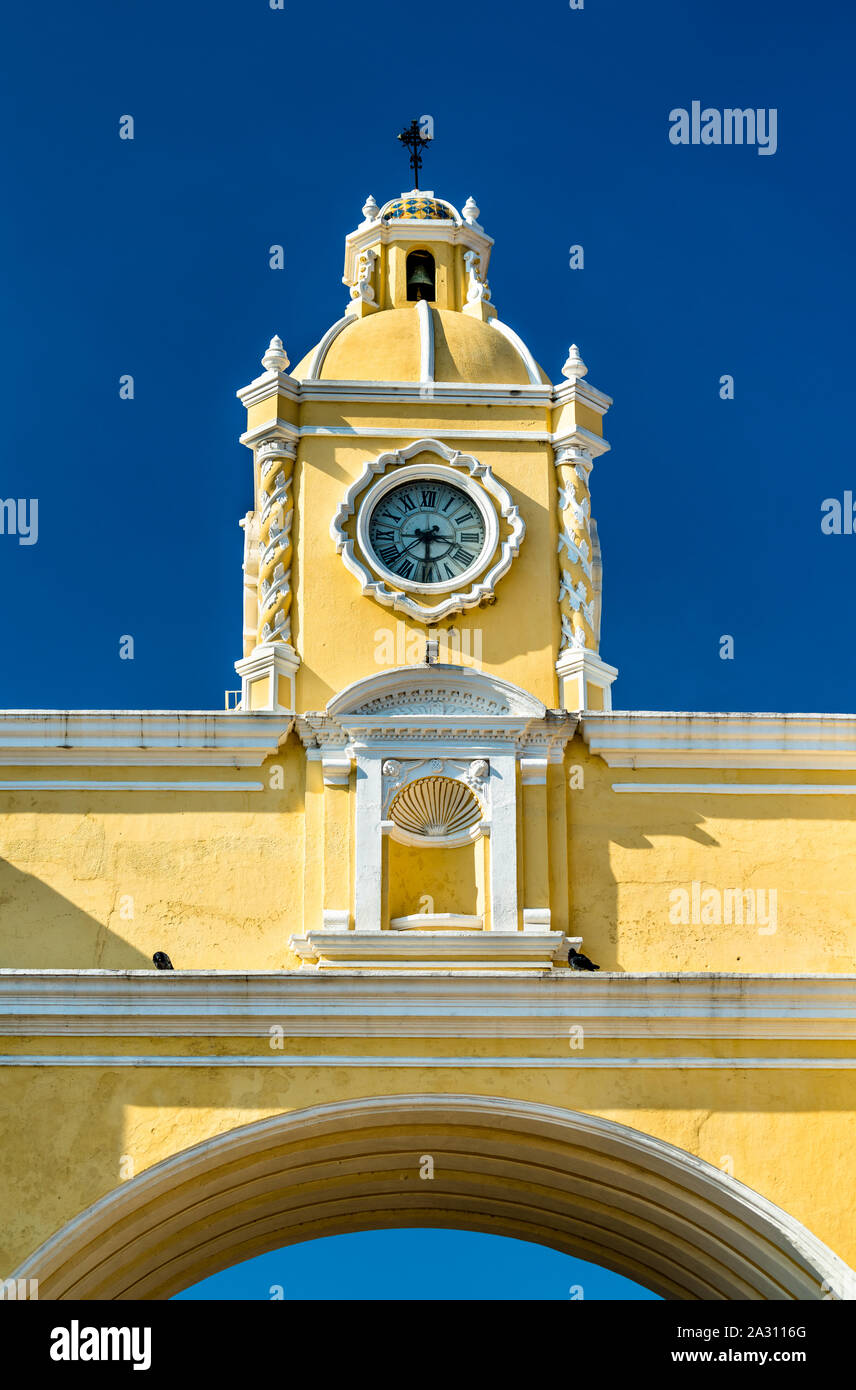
(428, 537)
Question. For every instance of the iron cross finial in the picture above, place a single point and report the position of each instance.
(415, 142)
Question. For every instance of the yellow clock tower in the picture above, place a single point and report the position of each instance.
(421, 494)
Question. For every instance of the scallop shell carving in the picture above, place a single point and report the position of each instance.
(435, 807)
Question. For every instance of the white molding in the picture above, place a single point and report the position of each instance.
(592, 445)
(409, 433)
(586, 668)
(413, 393)
(198, 1003)
(566, 392)
(389, 464)
(739, 788)
(269, 661)
(663, 739)
(424, 921)
(426, 340)
(269, 385)
(336, 919)
(335, 766)
(429, 1061)
(389, 951)
(326, 343)
(533, 772)
(66, 785)
(139, 738)
(435, 692)
(520, 348)
(274, 428)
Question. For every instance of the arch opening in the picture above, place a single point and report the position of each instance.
(412, 1265)
(586, 1186)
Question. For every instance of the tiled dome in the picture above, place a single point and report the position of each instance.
(419, 208)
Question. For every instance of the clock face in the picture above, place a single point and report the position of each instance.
(426, 531)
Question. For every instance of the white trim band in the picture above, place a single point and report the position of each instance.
(324, 1059)
(64, 785)
(740, 788)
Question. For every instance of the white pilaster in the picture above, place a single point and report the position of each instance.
(503, 843)
(267, 675)
(368, 872)
(585, 682)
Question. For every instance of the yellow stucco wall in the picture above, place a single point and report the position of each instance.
(774, 1127)
(219, 880)
(628, 854)
(215, 880)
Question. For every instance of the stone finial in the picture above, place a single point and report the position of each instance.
(470, 212)
(276, 358)
(370, 209)
(575, 367)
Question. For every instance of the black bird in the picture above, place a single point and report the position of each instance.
(162, 961)
(577, 961)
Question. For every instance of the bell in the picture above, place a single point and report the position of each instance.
(418, 282)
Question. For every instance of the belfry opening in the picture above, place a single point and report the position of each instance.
(421, 276)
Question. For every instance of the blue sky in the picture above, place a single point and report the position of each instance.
(416, 1265)
(255, 126)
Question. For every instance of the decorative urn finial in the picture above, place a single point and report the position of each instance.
(470, 212)
(276, 358)
(575, 367)
(370, 209)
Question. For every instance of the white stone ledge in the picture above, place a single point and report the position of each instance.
(129, 738)
(657, 738)
(430, 1061)
(359, 1003)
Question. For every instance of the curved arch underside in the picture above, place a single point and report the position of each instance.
(586, 1186)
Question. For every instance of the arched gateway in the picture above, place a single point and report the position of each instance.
(369, 869)
(583, 1185)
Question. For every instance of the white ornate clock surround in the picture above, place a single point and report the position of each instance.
(473, 477)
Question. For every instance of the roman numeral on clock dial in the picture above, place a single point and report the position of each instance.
(426, 532)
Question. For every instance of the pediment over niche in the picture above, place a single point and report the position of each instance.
(438, 691)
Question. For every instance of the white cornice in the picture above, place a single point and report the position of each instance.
(579, 438)
(427, 393)
(268, 386)
(406, 433)
(526, 952)
(276, 427)
(738, 788)
(573, 1061)
(648, 739)
(578, 390)
(210, 1003)
(130, 738)
(66, 784)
